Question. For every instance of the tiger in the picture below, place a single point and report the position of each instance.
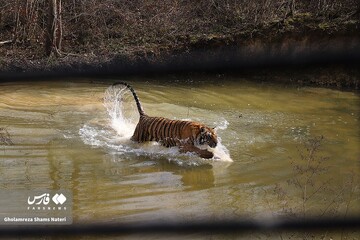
(189, 136)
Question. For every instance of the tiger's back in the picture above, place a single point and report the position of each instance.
(166, 131)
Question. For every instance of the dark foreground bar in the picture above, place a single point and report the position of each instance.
(230, 59)
(226, 226)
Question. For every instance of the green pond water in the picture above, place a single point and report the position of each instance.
(75, 135)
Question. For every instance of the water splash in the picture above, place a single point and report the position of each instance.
(115, 106)
(221, 152)
(114, 133)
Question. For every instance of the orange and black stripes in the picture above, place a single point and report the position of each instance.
(160, 129)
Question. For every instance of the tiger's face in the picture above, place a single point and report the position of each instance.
(207, 136)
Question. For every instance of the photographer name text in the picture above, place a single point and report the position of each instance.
(34, 219)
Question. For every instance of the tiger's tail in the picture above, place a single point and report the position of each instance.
(138, 104)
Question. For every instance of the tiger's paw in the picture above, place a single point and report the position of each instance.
(200, 152)
(206, 154)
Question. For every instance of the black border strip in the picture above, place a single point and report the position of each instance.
(204, 227)
(224, 60)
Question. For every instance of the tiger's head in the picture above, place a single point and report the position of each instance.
(207, 136)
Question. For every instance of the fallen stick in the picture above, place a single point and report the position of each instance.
(5, 42)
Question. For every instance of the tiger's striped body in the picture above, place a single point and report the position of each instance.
(188, 135)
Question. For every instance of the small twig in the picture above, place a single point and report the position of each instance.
(319, 188)
(5, 42)
(5, 138)
(348, 202)
(332, 202)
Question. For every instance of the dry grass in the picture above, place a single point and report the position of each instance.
(109, 26)
(311, 191)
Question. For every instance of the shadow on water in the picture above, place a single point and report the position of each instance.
(191, 177)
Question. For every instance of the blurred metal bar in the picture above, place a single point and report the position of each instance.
(233, 59)
(217, 227)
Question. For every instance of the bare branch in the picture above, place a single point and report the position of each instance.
(5, 42)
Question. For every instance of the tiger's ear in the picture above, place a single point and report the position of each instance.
(202, 129)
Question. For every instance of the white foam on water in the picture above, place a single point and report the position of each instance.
(115, 108)
(115, 133)
(221, 153)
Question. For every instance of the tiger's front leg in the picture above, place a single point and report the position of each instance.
(191, 148)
